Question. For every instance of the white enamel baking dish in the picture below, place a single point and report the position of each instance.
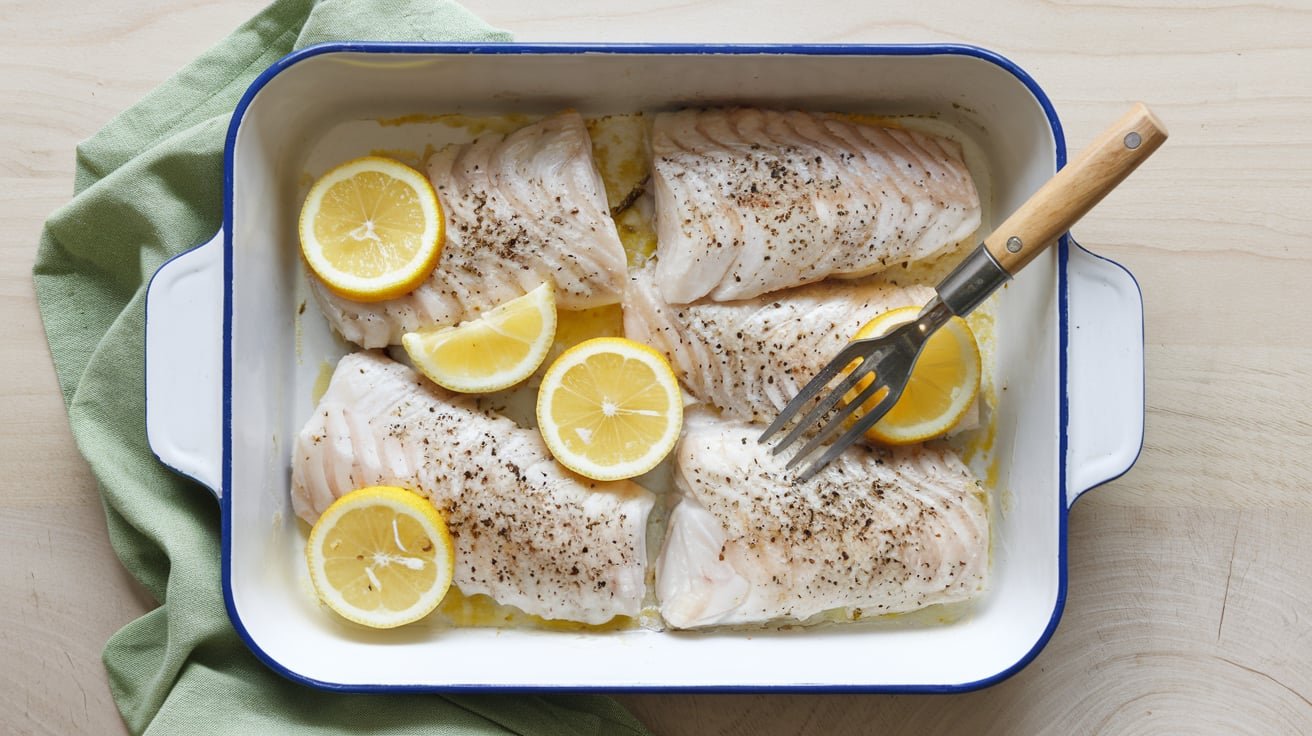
(1069, 354)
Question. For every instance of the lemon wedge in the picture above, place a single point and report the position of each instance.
(610, 408)
(381, 556)
(942, 387)
(372, 229)
(500, 348)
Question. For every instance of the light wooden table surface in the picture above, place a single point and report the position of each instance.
(1191, 577)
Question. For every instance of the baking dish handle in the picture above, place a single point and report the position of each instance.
(1105, 371)
(184, 363)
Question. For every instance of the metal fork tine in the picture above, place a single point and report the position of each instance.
(836, 422)
(820, 409)
(813, 387)
(852, 435)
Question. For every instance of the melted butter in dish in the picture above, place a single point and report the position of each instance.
(751, 201)
(521, 209)
(882, 532)
(527, 533)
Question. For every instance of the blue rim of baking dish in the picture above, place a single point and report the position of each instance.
(225, 496)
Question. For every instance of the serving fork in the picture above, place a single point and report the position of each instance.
(889, 359)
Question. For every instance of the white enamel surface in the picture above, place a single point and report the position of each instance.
(184, 363)
(323, 108)
(1104, 371)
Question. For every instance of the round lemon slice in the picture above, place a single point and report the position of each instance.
(500, 348)
(942, 386)
(372, 229)
(381, 556)
(610, 408)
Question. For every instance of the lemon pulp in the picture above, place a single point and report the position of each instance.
(500, 348)
(941, 389)
(381, 556)
(371, 228)
(610, 408)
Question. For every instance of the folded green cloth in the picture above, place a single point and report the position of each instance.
(149, 186)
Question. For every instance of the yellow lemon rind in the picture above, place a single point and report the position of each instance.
(401, 500)
(417, 346)
(551, 382)
(887, 434)
(394, 283)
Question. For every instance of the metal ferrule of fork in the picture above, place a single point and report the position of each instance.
(971, 282)
(885, 361)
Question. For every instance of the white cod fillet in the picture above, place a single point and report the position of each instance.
(526, 532)
(749, 358)
(749, 201)
(885, 532)
(521, 210)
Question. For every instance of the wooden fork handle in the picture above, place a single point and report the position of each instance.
(1080, 185)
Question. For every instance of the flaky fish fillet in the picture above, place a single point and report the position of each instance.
(520, 210)
(526, 532)
(885, 532)
(750, 201)
(749, 358)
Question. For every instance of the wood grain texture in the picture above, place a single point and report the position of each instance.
(1087, 178)
(1189, 583)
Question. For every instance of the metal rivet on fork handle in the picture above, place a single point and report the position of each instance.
(1132, 140)
(1013, 244)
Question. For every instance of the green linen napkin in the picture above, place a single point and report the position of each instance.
(149, 186)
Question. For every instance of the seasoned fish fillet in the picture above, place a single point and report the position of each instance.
(526, 532)
(749, 201)
(885, 532)
(520, 210)
(750, 357)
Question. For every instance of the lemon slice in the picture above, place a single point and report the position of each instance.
(610, 408)
(381, 556)
(942, 386)
(500, 348)
(372, 229)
